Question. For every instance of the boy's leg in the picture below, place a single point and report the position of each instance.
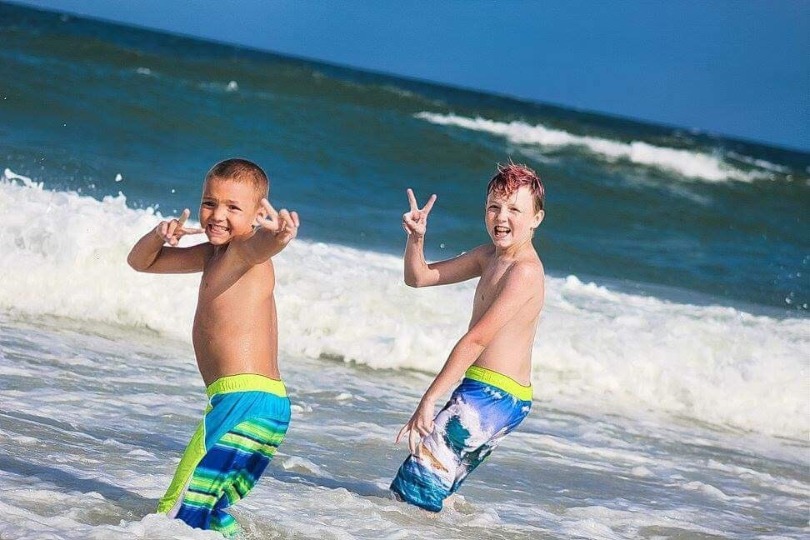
(245, 421)
(426, 478)
(228, 471)
(194, 452)
(467, 429)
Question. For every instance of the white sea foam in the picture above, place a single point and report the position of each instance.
(687, 163)
(65, 255)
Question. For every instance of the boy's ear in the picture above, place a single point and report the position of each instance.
(538, 218)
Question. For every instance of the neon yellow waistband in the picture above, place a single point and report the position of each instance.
(498, 380)
(246, 382)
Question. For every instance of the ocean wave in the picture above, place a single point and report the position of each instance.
(65, 255)
(686, 163)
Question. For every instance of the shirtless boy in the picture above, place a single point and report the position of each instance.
(493, 357)
(235, 339)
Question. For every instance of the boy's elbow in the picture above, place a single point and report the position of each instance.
(415, 281)
(135, 264)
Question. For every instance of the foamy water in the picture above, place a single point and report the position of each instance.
(596, 346)
(690, 164)
(659, 412)
(651, 419)
(93, 418)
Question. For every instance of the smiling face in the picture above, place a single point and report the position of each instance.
(228, 209)
(511, 219)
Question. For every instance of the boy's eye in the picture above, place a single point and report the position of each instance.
(232, 207)
(208, 204)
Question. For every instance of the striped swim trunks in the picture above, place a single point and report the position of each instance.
(244, 423)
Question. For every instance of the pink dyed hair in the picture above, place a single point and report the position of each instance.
(511, 177)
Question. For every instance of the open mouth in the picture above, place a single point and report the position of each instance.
(217, 229)
(500, 231)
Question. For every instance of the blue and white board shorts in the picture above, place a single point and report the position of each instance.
(484, 408)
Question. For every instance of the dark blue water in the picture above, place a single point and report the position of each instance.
(638, 206)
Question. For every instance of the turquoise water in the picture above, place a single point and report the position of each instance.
(670, 369)
(638, 204)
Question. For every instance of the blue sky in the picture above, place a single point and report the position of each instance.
(733, 67)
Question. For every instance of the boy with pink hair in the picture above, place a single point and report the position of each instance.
(494, 357)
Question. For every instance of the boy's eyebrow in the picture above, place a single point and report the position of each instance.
(227, 201)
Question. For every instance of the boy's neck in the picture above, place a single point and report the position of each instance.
(514, 251)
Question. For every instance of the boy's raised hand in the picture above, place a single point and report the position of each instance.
(173, 230)
(414, 221)
(284, 224)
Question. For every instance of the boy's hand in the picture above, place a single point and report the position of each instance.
(284, 224)
(419, 426)
(415, 221)
(173, 230)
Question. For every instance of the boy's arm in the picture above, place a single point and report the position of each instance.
(418, 273)
(522, 283)
(275, 231)
(149, 254)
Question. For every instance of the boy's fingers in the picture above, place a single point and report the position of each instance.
(413, 441)
(412, 200)
(401, 433)
(296, 221)
(286, 219)
(271, 212)
(183, 218)
(194, 230)
(429, 204)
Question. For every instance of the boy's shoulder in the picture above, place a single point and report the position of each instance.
(527, 269)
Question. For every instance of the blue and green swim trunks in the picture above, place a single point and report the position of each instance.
(482, 410)
(244, 423)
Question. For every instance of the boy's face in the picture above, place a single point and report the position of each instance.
(228, 209)
(511, 219)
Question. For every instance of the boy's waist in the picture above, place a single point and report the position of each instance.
(499, 380)
(246, 382)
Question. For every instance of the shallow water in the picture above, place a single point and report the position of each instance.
(93, 419)
(670, 369)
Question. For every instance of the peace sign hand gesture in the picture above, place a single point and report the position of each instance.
(415, 220)
(173, 230)
(283, 225)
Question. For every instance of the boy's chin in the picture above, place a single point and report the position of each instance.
(218, 240)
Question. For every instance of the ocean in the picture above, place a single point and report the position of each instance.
(671, 369)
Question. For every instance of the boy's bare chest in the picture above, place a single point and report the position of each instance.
(489, 285)
(222, 276)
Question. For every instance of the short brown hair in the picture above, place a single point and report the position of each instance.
(512, 176)
(242, 171)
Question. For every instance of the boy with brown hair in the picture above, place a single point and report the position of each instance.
(235, 338)
(494, 356)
